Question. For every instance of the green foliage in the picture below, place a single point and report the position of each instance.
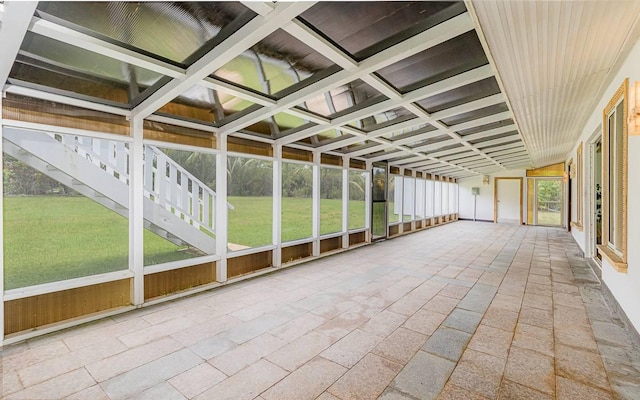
(22, 180)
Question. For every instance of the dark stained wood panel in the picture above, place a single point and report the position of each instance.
(330, 244)
(176, 280)
(41, 310)
(292, 253)
(237, 266)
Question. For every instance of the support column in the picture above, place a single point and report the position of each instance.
(221, 220)
(1, 231)
(367, 200)
(399, 192)
(277, 206)
(415, 190)
(345, 202)
(136, 211)
(316, 204)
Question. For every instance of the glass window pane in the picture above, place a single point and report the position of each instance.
(420, 198)
(330, 200)
(339, 100)
(297, 202)
(429, 213)
(250, 195)
(171, 30)
(445, 198)
(179, 205)
(357, 205)
(395, 198)
(453, 198)
(66, 201)
(437, 198)
(618, 145)
(274, 64)
(52, 63)
(408, 198)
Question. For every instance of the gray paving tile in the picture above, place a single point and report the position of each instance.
(424, 376)
(139, 379)
(463, 320)
(448, 343)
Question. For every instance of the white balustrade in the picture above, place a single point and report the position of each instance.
(165, 182)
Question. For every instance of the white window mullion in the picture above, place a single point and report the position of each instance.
(1, 233)
(221, 220)
(316, 204)
(277, 205)
(345, 202)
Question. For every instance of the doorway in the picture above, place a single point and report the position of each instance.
(379, 201)
(508, 200)
(548, 198)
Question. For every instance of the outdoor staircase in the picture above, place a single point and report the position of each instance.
(177, 206)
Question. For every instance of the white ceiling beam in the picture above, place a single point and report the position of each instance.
(510, 159)
(15, 22)
(383, 157)
(435, 146)
(505, 139)
(57, 98)
(236, 91)
(468, 107)
(508, 151)
(417, 138)
(438, 154)
(185, 124)
(481, 121)
(445, 85)
(259, 7)
(459, 156)
(489, 133)
(406, 100)
(506, 146)
(368, 150)
(312, 39)
(449, 112)
(248, 35)
(420, 42)
(87, 42)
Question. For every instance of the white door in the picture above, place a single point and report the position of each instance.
(508, 201)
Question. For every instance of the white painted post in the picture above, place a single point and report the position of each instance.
(221, 220)
(415, 189)
(345, 202)
(1, 232)
(316, 204)
(399, 192)
(136, 212)
(367, 200)
(277, 205)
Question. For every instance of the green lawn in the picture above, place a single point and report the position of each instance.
(51, 238)
(549, 218)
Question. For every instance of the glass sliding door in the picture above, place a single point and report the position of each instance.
(379, 202)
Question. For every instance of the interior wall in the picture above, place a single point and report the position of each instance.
(484, 201)
(623, 286)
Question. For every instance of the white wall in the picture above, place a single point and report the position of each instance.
(484, 202)
(625, 287)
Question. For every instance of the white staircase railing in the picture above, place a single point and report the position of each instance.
(171, 186)
(166, 183)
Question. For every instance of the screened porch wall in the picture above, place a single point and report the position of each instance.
(260, 234)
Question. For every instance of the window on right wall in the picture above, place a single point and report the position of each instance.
(614, 135)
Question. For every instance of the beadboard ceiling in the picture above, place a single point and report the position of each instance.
(555, 60)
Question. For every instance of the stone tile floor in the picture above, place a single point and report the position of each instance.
(463, 311)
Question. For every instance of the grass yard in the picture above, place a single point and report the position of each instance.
(549, 218)
(51, 238)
